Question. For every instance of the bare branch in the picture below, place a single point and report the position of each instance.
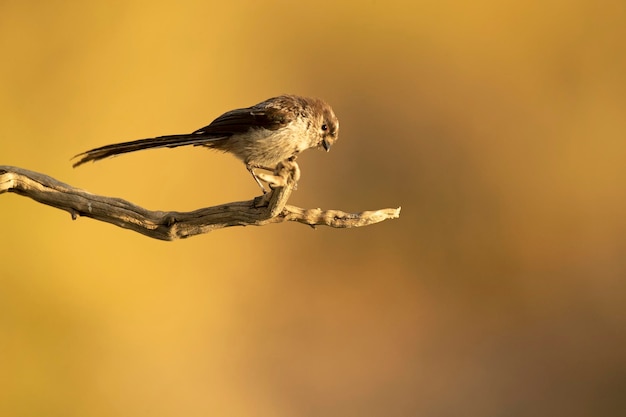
(172, 225)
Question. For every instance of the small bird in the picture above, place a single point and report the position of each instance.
(261, 136)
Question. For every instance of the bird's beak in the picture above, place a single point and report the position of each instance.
(326, 144)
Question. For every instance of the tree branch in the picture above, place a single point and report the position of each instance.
(172, 225)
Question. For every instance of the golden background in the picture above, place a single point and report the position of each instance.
(499, 127)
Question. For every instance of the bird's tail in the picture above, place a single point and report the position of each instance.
(171, 141)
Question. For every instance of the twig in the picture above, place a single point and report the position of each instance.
(172, 225)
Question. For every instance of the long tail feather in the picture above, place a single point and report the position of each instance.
(171, 141)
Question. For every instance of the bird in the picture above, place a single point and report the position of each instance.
(261, 135)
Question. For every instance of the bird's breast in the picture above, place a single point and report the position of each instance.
(264, 147)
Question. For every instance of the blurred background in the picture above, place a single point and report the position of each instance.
(497, 126)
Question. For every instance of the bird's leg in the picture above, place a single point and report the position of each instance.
(251, 170)
(272, 180)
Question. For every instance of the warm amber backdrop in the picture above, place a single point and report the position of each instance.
(497, 126)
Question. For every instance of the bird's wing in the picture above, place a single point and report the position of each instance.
(267, 115)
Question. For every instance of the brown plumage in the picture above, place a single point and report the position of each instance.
(261, 135)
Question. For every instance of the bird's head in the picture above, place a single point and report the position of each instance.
(326, 124)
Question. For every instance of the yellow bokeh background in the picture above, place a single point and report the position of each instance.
(499, 127)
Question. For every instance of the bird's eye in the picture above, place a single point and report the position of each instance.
(324, 127)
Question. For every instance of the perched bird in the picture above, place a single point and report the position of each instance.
(261, 136)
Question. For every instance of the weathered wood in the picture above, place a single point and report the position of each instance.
(172, 225)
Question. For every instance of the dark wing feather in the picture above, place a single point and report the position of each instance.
(241, 120)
